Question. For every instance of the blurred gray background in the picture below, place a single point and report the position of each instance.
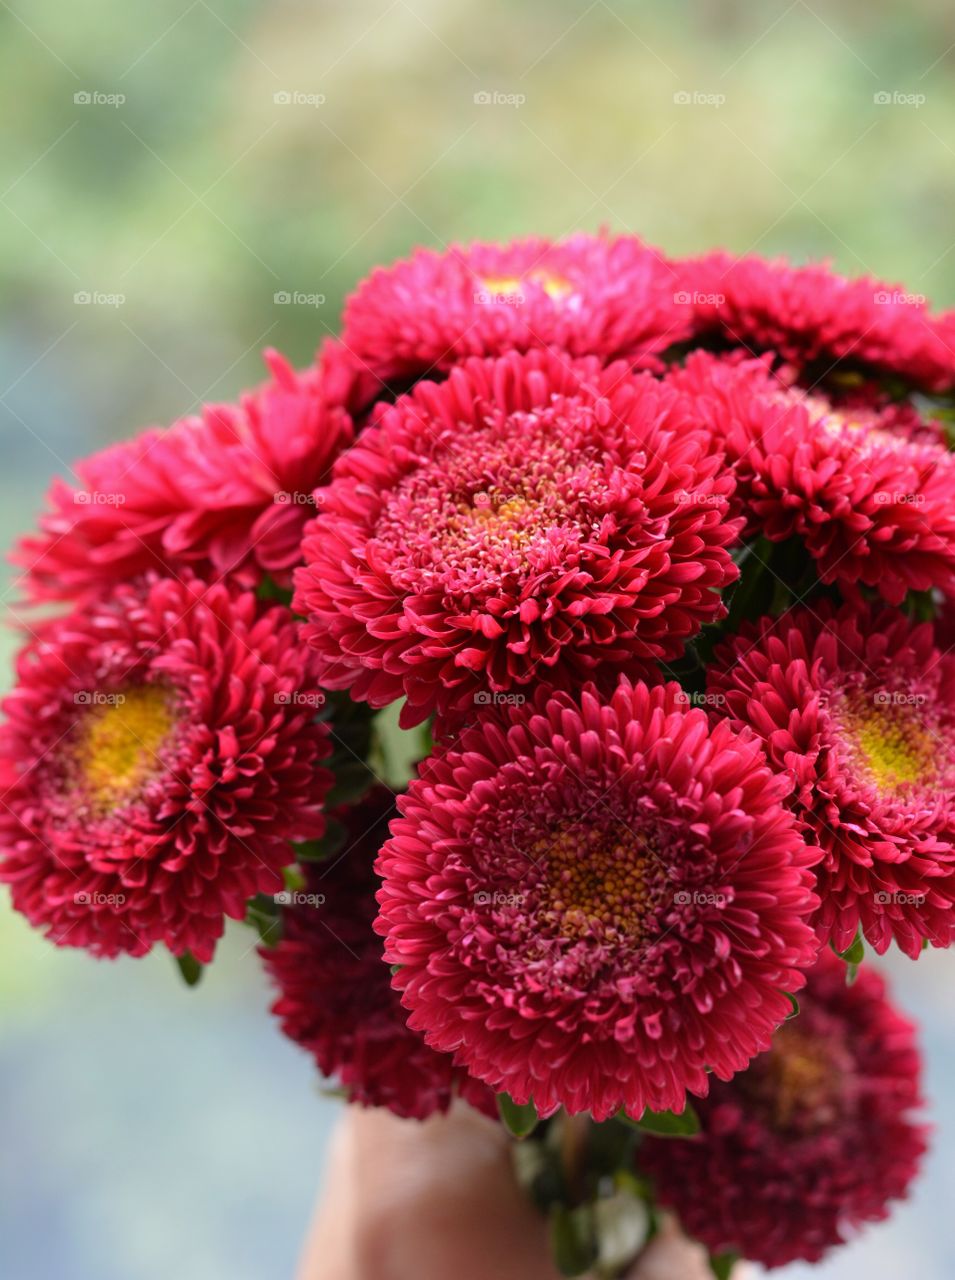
(169, 170)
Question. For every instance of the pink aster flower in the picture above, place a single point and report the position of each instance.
(531, 516)
(594, 902)
(815, 319)
(813, 1140)
(224, 494)
(857, 706)
(870, 491)
(588, 295)
(158, 754)
(335, 995)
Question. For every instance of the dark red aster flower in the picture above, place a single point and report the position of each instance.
(815, 319)
(158, 754)
(227, 493)
(858, 708)
(588, 295)
(595, 901)
(869, 491)
(530, 516)
(335, 994)
(813, 1140)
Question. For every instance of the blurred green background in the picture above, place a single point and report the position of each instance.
(168, 171)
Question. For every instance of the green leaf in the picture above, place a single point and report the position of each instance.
(722, 1264)
(326, 847)
(853, 957)
(263, 915)
(519, 1120)
(665, 1124)
(795, 1006)
(573, 1239)
(190, 968)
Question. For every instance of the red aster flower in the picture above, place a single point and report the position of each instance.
(335, 994)
(531, 515)
(158, 754)
(813, 1140)
(869, 491)
(858, 707)
(593, 902)
(588, 295)
(227, 493)
(816, 319)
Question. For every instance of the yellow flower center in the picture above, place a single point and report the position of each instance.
(119, 741)
(596, 878)
(895, 744)
(511, 286)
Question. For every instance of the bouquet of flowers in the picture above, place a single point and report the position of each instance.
(656, 559)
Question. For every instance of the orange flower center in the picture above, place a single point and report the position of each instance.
(119, 741)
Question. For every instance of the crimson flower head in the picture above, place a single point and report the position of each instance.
(816, 320)
(609, 296)
(870, 491)
(530, 517)
(594, 902)
(813, 1140)
(157, 756)
(335, 997)
(225, 494)
(857, 706)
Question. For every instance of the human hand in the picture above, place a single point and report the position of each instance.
(438, 1201)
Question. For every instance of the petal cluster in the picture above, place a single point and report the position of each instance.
(607, 296)
(335, 995)
(596, 901)
(223, 494)
(157, 756)
(857, 706)
(530, 517)
(814, 1140)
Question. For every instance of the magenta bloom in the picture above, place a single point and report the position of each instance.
(335, 995)
(869, 491)
(814, 319)
(594, 902)
(612, 297)
(158, 754)
(224, 494)
(858, 708)
(530, 517)
(813, 1140)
